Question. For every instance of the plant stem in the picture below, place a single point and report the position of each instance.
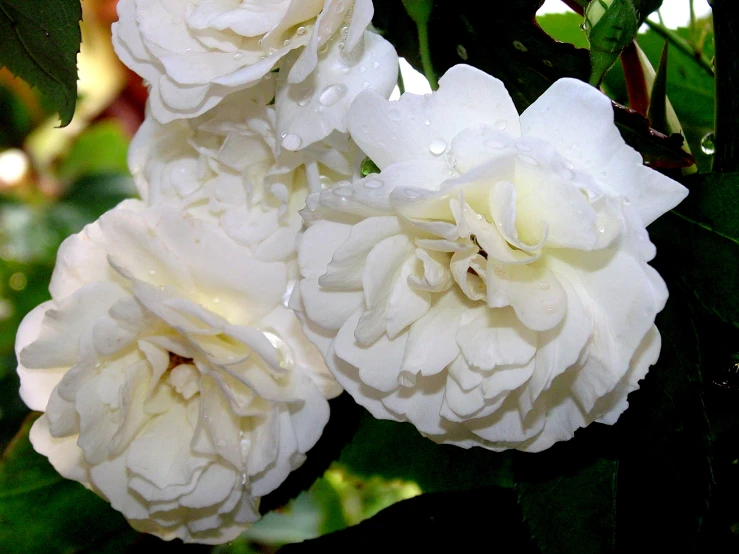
(681, 44)
(423, 44)
(577, 6)
(726, 133)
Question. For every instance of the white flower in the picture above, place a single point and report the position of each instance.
(227, 167)
(490, 285)
(175, 383)
(194, 53)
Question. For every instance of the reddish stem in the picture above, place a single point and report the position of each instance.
(636, 85)
(574, 6)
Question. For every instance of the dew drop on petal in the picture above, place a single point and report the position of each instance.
(291, 142)
(462, 52)
(373, 183)
(427, 123)
(286, 42)
(301, 30)
(365, 84)
(527, 159)
(544, 286)
(601, 229)
(332, 94)
(238, 56)
(375, 65)
(437, 146)
(410, 193)
(501, 124)
(344, 191)
(340, 7)
(707, 145)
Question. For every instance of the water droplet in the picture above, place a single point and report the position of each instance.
(375, 65)
(410, 193)
(547, 63)
(707, 145)
(427, 123)
(152, 272)
(345, 70)
(393, 114)
(583, 26)
(344, 192)
(325, 182)
(304, 101)
(601, 229)
(238, 56)
(437, 146)
(365, 84)
(501, 124)
(362, 69)
(331, 94)
(18, 281)
(340, 7)
(373, 183)
(286, 42)
(518, 45)
(323, 49)
(301, 30)
(216, 300)
(544, 286)
(527, 159)
(462, 52)
(291, 142)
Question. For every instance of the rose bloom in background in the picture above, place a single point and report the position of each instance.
(490, 285)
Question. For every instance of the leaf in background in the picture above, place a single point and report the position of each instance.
(398, 451)
(568, 493)
(657, 113)
(101, 148)
(564, 27)
(40, 44)
(437, 522)
(42, 512)
(665, 474)
(703, 233)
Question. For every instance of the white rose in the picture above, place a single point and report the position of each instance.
(491, 284)
(175, 383)
(195, 53)
(227, 167)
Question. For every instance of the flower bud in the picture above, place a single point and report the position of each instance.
(610, 26)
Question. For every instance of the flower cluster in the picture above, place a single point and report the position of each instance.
(489, 284)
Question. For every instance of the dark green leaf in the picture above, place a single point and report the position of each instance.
(40, 41)
(398, 451)
(657, 113)
(42, 512)
(438, 522)
(568, 493)
(665, 474)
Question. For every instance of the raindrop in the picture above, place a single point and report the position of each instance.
(410, 193)
(291, 142)
(304, 100)
(286, 42)
(365, 84)
(527, 159)
(375, 65)
(340, 7)
(18, 281)
(601, 229)
(501, 124)
(462, 52)
(437, 146)
(427, 123)
(344, 192)
(238, 56)
(301, 30)
(152, 272)
(518, 45)
(323, 49)
(544, 286)
(332, 94)
(373, 183)
(707, 145)
(362, 69)
(325, 182)
(345, 70)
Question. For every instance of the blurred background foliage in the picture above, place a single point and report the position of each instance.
(53, 181)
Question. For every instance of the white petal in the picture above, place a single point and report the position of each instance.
(466, 98)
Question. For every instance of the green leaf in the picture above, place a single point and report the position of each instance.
(564, 27)
(568, 494)
(398, 451)
(665, 470)
(438, 522)
(703, 233)
(657, 113)
(42, 512)
(40, 41)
